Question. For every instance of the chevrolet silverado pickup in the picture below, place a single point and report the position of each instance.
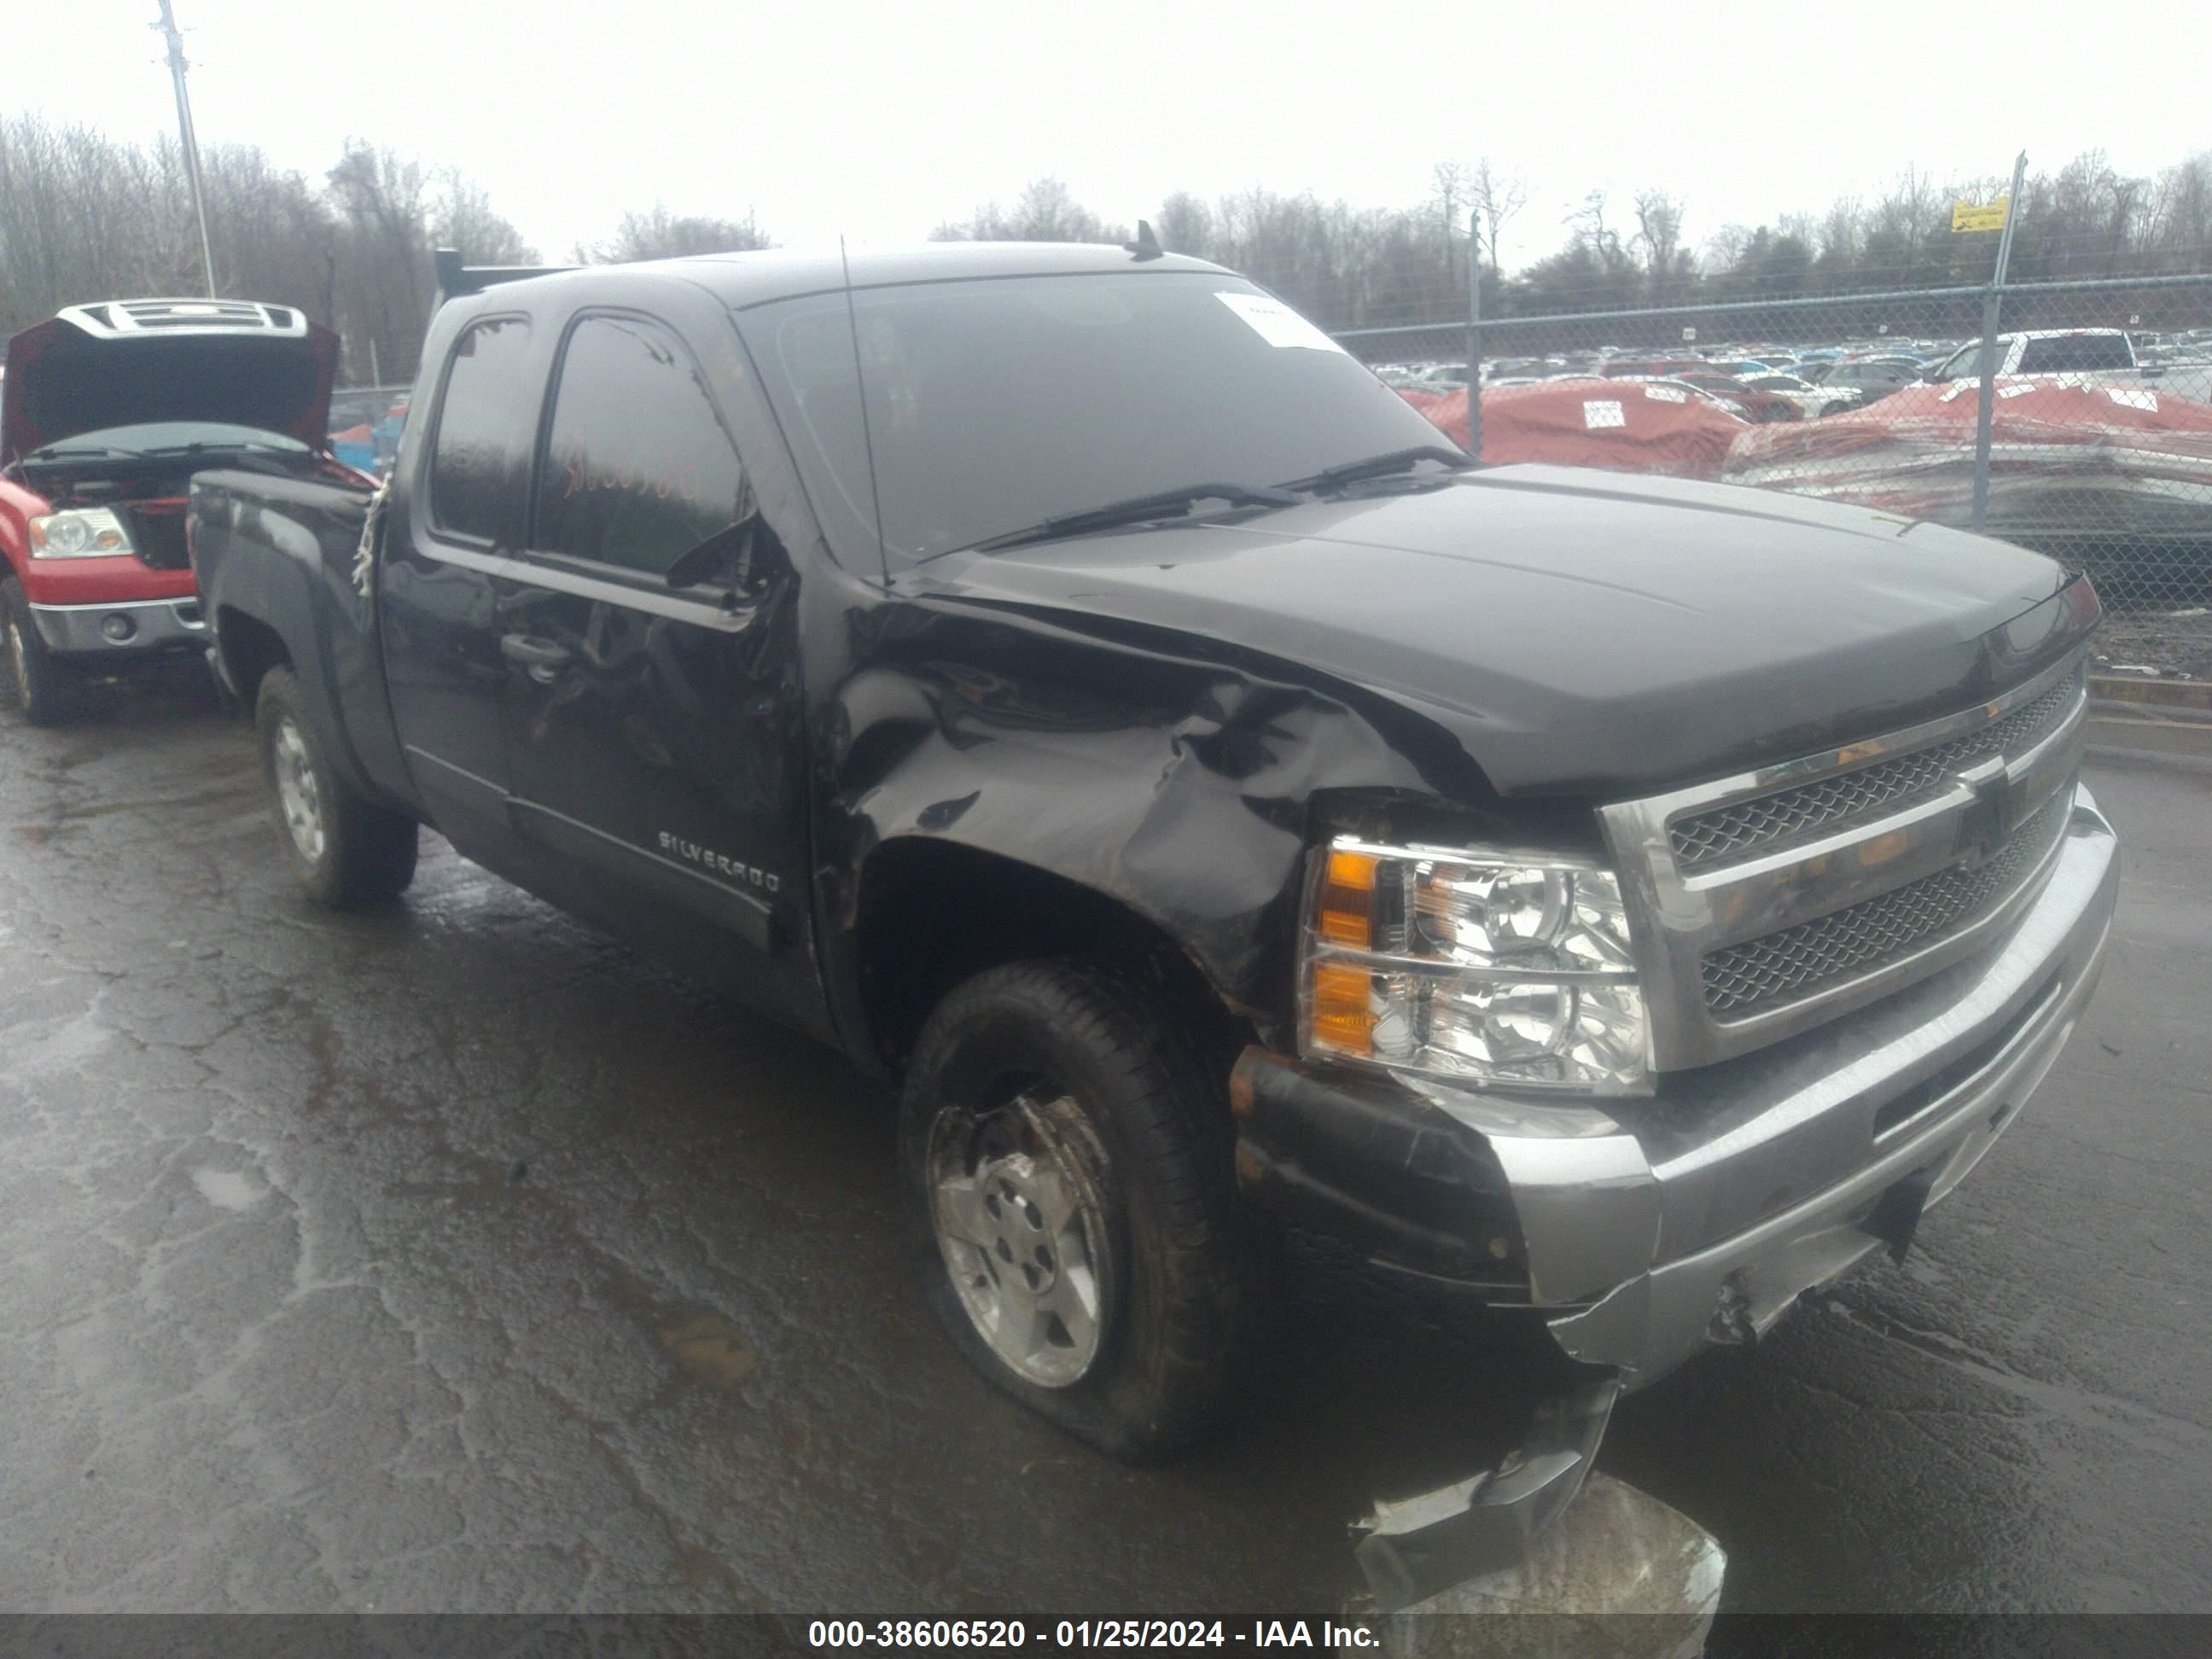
(1065, 681)
(106, 411)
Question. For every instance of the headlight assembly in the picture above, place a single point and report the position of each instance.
(85, 532)
(1498, 969)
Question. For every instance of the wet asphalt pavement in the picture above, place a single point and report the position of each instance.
(453, 1258)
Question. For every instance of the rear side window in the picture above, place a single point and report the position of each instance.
(484, 420)
(2074, 353)
(639, 468)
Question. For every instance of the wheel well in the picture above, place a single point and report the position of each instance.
(933, 914)
(250, 649)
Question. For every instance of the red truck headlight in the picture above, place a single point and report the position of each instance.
(85, 532)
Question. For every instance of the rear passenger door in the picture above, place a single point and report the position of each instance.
(652, 703)
(453, 532)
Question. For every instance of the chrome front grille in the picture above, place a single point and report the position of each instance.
(1766, 903)
(1706, 839)
(1795, 961)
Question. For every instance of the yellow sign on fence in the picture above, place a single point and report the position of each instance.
(1966, 216)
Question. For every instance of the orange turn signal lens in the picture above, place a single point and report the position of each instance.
(1347, 911)
(1343, 1017)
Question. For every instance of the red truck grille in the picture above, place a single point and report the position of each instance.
(157, 530)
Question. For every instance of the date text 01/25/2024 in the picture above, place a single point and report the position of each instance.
(1086, 1633)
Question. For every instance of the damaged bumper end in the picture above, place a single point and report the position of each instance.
(1411, 1549)
(1643, 1232)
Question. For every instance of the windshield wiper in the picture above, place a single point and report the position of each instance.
(198, 447)
(55, 452)
(1160, 504)
(1377, 466)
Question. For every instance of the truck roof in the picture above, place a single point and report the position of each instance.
(742, 280)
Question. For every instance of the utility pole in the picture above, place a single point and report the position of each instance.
(1986, 367)
(169, 29)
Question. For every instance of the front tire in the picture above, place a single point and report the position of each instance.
(39, 684)
(1070, 1204)
(348, 852)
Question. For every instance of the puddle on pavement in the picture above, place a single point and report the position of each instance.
(227, 1189)
(64, 1048)
(708, 1348)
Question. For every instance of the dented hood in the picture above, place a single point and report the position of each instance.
(63, 381)
(1579, 632)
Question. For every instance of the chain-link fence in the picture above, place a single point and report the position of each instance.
(2091, 440)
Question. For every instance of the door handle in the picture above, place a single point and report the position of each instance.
(544, 658)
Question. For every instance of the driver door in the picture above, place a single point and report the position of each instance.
(654, 729)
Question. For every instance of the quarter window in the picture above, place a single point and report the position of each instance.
(639, 468)
(482, 444)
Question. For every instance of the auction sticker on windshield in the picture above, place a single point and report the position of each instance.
(1276, 323)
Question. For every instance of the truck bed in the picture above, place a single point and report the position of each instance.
(275, 561)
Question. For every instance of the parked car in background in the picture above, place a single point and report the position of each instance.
(2045, 351)
(1741, 396)
(106, 412)
(1646, 368)
(1811, 399)
(1874, 378)
(1674, 387)
(2095, 355)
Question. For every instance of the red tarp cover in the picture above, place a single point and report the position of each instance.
(1913, 451)
(1624, 426)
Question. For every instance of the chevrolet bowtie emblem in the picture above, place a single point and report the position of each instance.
(1982, 825)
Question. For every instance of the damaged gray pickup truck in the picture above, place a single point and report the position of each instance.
(1065, 681)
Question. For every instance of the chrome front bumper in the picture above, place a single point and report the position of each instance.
(87, 630)
(1646, 1231)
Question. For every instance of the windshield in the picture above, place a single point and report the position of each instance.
(993, 405)
(167, 438)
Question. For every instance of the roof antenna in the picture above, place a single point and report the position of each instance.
(1147, 246)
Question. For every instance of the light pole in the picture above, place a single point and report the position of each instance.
(167, 26)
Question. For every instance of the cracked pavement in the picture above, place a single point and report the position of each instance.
(452, 1258)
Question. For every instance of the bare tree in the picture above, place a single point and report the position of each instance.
(1046, 211)
(1452, 188)
(658, 235)
(464, 219)
(1185, 225)
(1658, 238)
(1499, 201)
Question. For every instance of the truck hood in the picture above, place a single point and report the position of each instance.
(63, 381)
(1580, 632)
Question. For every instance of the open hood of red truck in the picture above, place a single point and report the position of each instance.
(125, 361)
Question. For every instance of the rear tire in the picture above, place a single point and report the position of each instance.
(42, 685)
(348, 852)
(1070, 1202)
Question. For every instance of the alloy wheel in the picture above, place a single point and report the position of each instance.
(1024, 1233)
(299, 794)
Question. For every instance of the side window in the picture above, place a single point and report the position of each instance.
(1961, 363)
(2074, 353)
(638, 469)
(484, 424)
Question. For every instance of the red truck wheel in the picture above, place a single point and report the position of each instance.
(41, 684)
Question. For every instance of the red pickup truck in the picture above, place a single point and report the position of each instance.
(106, 412)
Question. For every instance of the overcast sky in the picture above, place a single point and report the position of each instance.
(879, 120)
